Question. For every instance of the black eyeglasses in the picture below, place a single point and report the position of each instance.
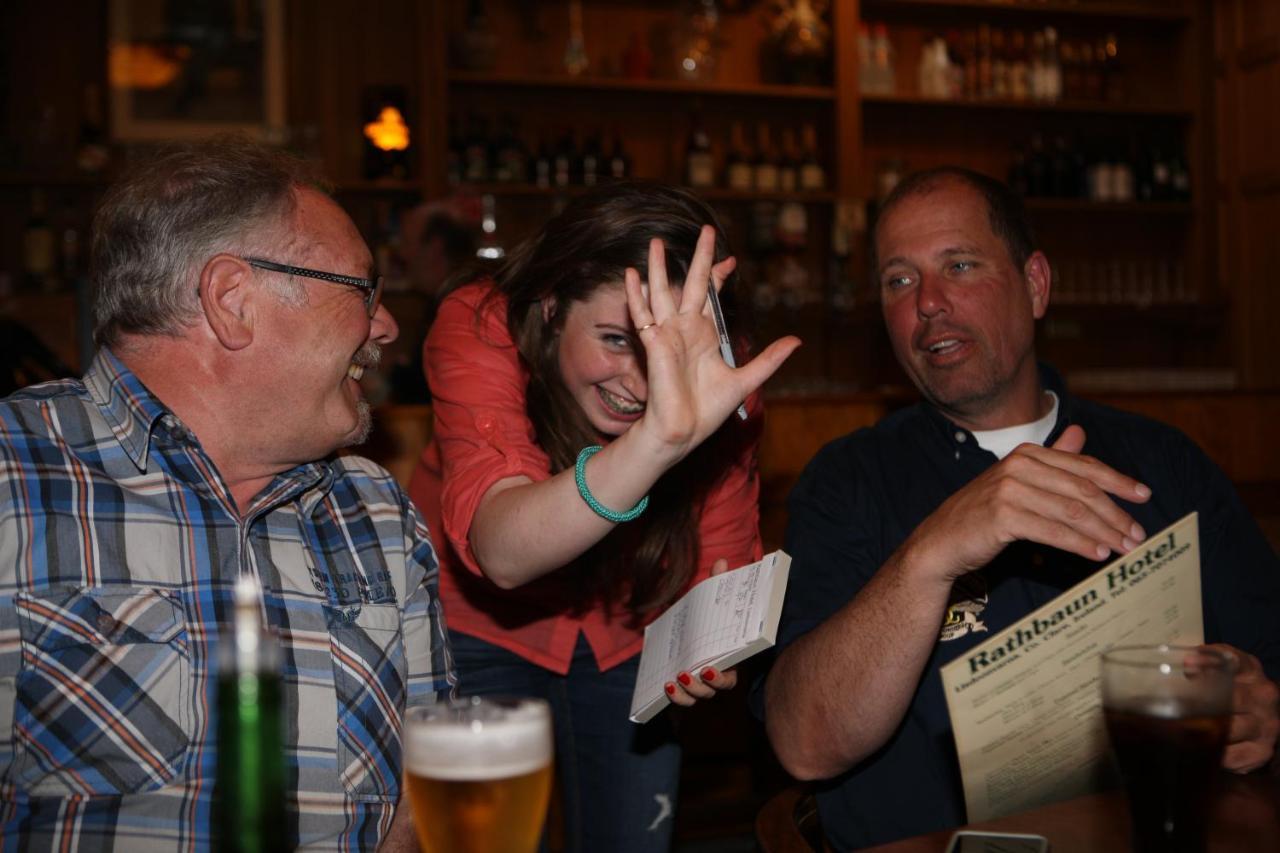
(372, 287)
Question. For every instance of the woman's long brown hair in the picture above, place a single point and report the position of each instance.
(645, 564)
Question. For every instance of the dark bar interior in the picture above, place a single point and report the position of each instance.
(1142, 135)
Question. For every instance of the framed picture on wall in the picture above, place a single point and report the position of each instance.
(180, 70)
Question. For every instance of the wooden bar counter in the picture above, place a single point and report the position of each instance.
(1246, 816)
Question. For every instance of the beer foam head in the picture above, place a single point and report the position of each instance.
(476, 739)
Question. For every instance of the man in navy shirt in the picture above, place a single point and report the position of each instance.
(917, 539)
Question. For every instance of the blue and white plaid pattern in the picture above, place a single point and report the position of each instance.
(119, 550)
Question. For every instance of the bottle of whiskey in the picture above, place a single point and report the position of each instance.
(737, 172)
(788, 162)
(249, 793)
(766, 165)
(619, 162)
(813, 178)
(39, 253)
(700, 169)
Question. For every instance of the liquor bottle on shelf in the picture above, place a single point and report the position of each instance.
(92, 152)
(1161, 176)
(591, 163)
(986, 72)
(999, 66)
(866, 81)
(511, 160)
(1113, 88)
(763, 233)
(619, 162)
(969, 87)
(1036, 67)
(737, 171)
(1061, 181)
(788, 162)
(39, 255)
(1072, 70)
(699, 164)
(882, 73)
(1053, 66)
(476, 167)
(249, 789)
(765, 169)
(1179, 177)
(956, 65)
(1019, 69)
(542, 163)
(1037, 168)
(813, 177)
(1018, 180)
(455, 154)
(490, 248)
(1143, 180)
(70, 248)
(934, 71)
(564, 161)
(792, 225)
(1090, 72)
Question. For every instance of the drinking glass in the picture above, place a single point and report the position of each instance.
(1168, 709)
(479, 773)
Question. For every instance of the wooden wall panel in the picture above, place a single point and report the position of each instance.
(1248, 65)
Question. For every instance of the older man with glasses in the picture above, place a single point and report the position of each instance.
(198, 448)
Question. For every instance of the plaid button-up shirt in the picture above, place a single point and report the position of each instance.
(119, 550)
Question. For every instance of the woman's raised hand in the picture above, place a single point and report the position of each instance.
(691, 389)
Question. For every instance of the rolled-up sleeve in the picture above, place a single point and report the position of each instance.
(482, 429)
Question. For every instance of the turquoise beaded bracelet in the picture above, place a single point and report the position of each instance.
(580, 477)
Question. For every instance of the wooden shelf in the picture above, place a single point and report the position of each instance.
(1192, 314)
(377, 187)
(709, 193)
(657, 87)
(914, 101)
(71, 181)
(1134, 12)
(1135, 208)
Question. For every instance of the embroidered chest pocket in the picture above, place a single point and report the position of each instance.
(103, 696)
(369, 673)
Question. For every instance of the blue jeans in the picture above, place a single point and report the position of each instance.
(618, 780)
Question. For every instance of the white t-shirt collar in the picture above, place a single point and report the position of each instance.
(1001, 442)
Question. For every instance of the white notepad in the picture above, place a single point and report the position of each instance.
(720, 622)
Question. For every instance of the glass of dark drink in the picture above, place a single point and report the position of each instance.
(1168, 709)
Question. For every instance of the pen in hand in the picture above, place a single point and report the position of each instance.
(722, 332)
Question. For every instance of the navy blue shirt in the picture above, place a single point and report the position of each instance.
(863, 494)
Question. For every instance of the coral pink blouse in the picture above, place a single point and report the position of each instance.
(482, 435)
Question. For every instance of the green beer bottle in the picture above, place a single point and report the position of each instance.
(249, 796)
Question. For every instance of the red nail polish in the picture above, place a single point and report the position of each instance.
(685, 679)
(671, 689)
(708, 674)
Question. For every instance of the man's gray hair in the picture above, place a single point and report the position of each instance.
(166, 217)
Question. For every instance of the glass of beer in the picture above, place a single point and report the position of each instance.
(479, 772)
(1168, 709)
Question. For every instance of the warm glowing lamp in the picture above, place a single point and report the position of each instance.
(389, 132)
(386, 134)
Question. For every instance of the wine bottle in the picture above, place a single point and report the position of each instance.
(249, 794)
(766, 166)
(619, 162)
(813, 177)
(39, 255)
(737, 172)
(699, 164)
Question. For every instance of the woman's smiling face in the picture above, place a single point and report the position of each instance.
(600, 363)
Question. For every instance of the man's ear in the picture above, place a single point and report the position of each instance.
(548, 308)
(1039, 277)
(225, 298)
